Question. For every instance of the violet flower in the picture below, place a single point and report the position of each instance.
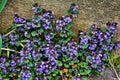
(19, 19)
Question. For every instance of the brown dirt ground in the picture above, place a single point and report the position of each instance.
(90, 11)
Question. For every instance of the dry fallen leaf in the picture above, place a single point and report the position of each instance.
(74, 66)
(65, 70)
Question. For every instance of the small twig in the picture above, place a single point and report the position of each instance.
(6, 49)
(113, 68)
(117, 55)
(22, 45)
(9, 32)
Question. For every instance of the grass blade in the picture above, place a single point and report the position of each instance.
(0, 43)
(2, 5)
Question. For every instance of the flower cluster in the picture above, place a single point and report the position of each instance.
(47, 19)
(19, 19)
(70, 49)
(25, 73)
(98, 43)
(62, 25)
(13, 39)
(78, 77)
(4, 67)
(43, 48)
(73, 10)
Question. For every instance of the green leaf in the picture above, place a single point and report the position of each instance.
(39, 9)
(24, 41)
(54, 74)
(71, 62)
(85, 46)
(69, 11)
(17, 44)
(63, 59)
(19, 78)
(33, 33)
(79, 54)
(6, 78)
(30, 64)
(56, 78)
(49, 77)
(84, 78)
(18, 69)
(70, 25)
(56, 71)
(0, 43)
(39, 24)
(28, 35)
(118, 67)
(66, 65)
(2, 5)
(70, 70)
(76, 12)
(85, 71)
(41, 30)
(102, 73)
(59, 63)
(18, 25)
(31, 78)
(88, 59)
(68, 39)
(15, 26)
(83, 64)
(70, 32)
(61, 34)
(7, 64)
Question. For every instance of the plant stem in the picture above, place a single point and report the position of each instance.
(6, 49)
(9, 33)
(113, 68)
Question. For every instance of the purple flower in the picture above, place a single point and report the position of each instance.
(42, 67)
(112, 27)
(36, 78)
(36, 9)
(13, 69)
(104, 56)
(1, 78)
(47, 19)
(78, 77)
(45, 78)
(21, 29)
(30, 25)
(92, 46)
(3, 40)
(3, 66)
(29, 45)
(117, 45)
(25, 75)
(72, 48)
(13, 63)
(73, 10)
(48, 38)
(67, 19)
(45, 26)
(62, 23)
(13, 39)
(18, 19)
(101, 68)
(35, 54)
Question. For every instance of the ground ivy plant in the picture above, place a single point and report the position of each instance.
(43, 48)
